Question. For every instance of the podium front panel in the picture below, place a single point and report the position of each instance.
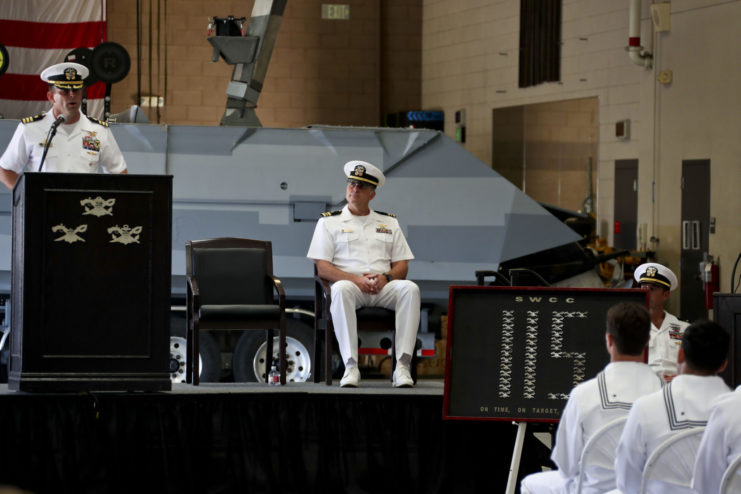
(91, 282)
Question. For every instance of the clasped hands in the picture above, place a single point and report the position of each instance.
(371, 283)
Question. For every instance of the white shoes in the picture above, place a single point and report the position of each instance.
(402, 377)
(351, 378)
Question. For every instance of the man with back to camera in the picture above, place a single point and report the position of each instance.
(721, 443)
(81, 144)
(666, 330)
(684, 403)
(364, 255)
(596, 402)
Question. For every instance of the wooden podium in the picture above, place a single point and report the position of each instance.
(90, 289)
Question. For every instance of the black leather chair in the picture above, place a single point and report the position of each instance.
(369, 319)
(230, 286)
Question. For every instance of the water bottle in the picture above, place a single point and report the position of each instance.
(274, 377)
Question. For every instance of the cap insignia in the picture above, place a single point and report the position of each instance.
(70, 74)
(651, 271)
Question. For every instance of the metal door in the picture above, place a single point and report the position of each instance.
(626, 204)
(695, 236)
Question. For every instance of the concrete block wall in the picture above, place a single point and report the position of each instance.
(333, 72)
(470, 61)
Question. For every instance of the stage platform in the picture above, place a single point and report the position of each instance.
(432, 387)
(250, 438)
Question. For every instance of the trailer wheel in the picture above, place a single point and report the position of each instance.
(249, 359)
(209, 359)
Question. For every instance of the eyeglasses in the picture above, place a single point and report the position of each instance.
(359, 185)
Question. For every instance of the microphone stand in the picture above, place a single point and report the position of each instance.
(49, 136)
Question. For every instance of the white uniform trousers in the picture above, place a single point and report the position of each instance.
(399, 295)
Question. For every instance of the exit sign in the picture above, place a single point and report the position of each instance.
(335, 11)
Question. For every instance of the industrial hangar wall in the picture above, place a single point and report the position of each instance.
(323, 71)
(470, 62)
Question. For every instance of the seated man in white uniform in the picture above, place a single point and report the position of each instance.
(81, 144)
(598, 401)
(666, 330)
(721, 443)
(684, 403)
(364, 254)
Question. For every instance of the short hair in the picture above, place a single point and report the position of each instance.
(705, 345)
(629, 324)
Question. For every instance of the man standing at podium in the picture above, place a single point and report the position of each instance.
(82, 144)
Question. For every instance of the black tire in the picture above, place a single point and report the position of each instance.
(210, 370)
(247, 361)
(210, 366)
(210, 361)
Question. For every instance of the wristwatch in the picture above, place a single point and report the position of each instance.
(388, 277)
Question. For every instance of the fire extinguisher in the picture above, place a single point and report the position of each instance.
(710, 277)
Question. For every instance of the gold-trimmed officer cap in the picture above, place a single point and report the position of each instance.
(362, 171)
(66, 75)
(656, 274)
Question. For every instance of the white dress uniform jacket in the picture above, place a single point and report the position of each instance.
(591, 405)
(81, 147)
(366, 244)
(663, 347)
(721, 443)
(682, 404)
(359, 244)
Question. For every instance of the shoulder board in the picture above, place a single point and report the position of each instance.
(99, 122)
(331, 213)
(386, 214)
(34, 118)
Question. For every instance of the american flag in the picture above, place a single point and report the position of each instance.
(40, 33)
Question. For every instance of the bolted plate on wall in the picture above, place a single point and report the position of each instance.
(110, 62)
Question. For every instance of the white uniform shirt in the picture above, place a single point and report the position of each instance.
(663, 346)
(80, 147)
(591, 405)
(682, 404)
(720, 444)
(359, 244)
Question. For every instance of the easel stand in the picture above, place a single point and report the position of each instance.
(516, 455)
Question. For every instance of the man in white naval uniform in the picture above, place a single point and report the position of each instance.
(364, 254)
(81, 144)
(684, 403)
(666, 330)
(598, 401)
(721, 443)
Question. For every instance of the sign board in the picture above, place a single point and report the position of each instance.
(515, 353)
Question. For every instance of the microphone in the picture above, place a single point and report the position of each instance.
(52, 132)
(60, 120)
